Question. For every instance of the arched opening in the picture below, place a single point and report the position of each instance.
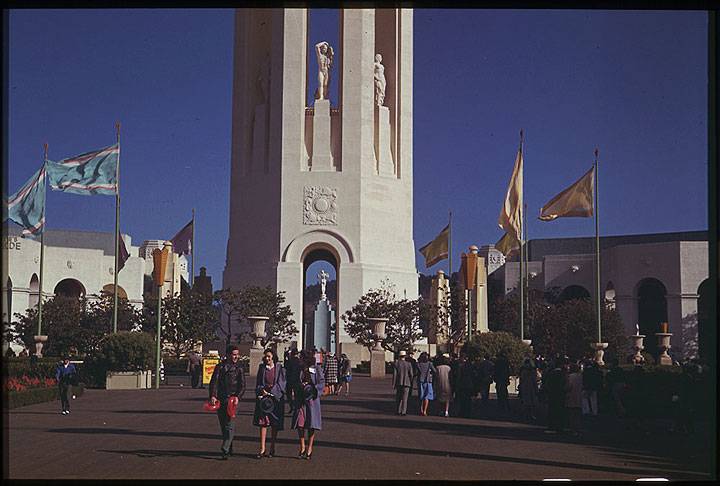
(69, 288)
(7, 302)
(34, 296)
(610, 296)
(319, 317)
(574, 292)
(652, 310)
(109, 289)
(703, 309)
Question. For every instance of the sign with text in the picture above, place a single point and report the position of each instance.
(208, 367)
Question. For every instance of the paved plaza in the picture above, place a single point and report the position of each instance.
(153, 434)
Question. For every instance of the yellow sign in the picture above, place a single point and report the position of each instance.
(208, 367)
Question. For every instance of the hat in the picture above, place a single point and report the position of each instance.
(402, 353)
(446, 355)
(232, 406)
(267, 403)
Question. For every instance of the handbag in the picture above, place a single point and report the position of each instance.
(326, 390)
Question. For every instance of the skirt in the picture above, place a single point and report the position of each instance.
(275, 419)
(426, 391)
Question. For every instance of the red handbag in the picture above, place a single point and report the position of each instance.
(232, 406)
(208, 407)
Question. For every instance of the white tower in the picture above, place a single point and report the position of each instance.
(322, 182)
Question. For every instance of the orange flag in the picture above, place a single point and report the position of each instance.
(575, 201)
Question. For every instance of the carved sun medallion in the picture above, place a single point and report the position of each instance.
(320, 205)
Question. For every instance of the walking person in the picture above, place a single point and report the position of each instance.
(425, 373)
(485, 378)
(227, 385)
(401, 382)
(345, 374)
(555, 386)
(502, 381)
(270, 387)
(194, 368)
(66, 376)
(292, 374)
(617, 384)
(528, 389)
(442, 384)
(592, 384)
(574, 398)
(330, 369)
(307, 416)
(464, 386)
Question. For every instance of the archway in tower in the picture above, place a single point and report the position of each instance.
(318, 313)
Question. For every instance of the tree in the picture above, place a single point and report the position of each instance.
(493, 343)
(252, 300)
(403, 327)
(373, 304)
(187, 319)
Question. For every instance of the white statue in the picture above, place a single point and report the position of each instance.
(380, 82)
(324, 59)
(323, 276)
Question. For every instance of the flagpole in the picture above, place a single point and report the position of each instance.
(522, 229)
(449, 245)
(117, 230)
(192, 251)
(597, 250)
(526, 287)
(42, 255)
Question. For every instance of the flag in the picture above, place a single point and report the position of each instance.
(437, 249)
(509, 218)
(27, 206)
(182, 241)
(575, 201)
(123, 254)
(507, 244)
(88, 174)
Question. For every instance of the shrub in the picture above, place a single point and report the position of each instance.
(492, 343)
(123, 351)
(175, 366)
(31, 396)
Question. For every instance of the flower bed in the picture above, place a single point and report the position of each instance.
(24, 382)
(30, 396)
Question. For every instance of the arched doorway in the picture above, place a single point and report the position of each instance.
(652, 310)
(69, 288)
(610, 296)
(109, 289)
(320, 330)
(34, 296)
(703, 309)
(574, 292)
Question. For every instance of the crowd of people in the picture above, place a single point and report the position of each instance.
(568, 390)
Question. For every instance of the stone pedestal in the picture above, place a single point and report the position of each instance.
(383, 154)
(377, 356)
(256, 350)
(321, 152)
(599, 352)
(39, 342)
(663, 346)
(322, 321)
(637, 347)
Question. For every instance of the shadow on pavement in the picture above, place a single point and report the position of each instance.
(213, 456)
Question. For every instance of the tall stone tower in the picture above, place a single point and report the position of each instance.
(322, 182)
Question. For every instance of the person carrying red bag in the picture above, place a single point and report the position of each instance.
(227, 386)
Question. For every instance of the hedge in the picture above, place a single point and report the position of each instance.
(37, 395)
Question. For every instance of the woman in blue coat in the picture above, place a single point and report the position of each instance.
(307, 415)
(270, 386)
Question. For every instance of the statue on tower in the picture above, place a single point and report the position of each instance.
(379, 78)
(325, 56)
(323, 276)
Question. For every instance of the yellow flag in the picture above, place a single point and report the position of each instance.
(509, 218)
(507, 244)
(575, 201)
(437, 249)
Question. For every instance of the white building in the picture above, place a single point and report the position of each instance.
(77, 263)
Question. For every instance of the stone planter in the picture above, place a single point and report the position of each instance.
(637, 347)
(39, 341)
(128, 380)
(663, 347)
(599, 352)
(377, 356)
(258, 324)
(378, 328)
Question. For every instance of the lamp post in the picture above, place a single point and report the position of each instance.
(160, 261)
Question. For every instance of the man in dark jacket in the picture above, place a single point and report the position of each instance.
(228, 380)
(66, 375)
(195, 369)
(486, 369)
(555, 386)
(292, 377)
(402, 381)
(502, 380)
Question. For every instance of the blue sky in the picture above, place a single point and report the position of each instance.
(632, 83)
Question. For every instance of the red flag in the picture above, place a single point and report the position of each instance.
(182, 241)
(123, 254)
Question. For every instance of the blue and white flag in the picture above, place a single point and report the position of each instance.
(88, 174)
(27, 206)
